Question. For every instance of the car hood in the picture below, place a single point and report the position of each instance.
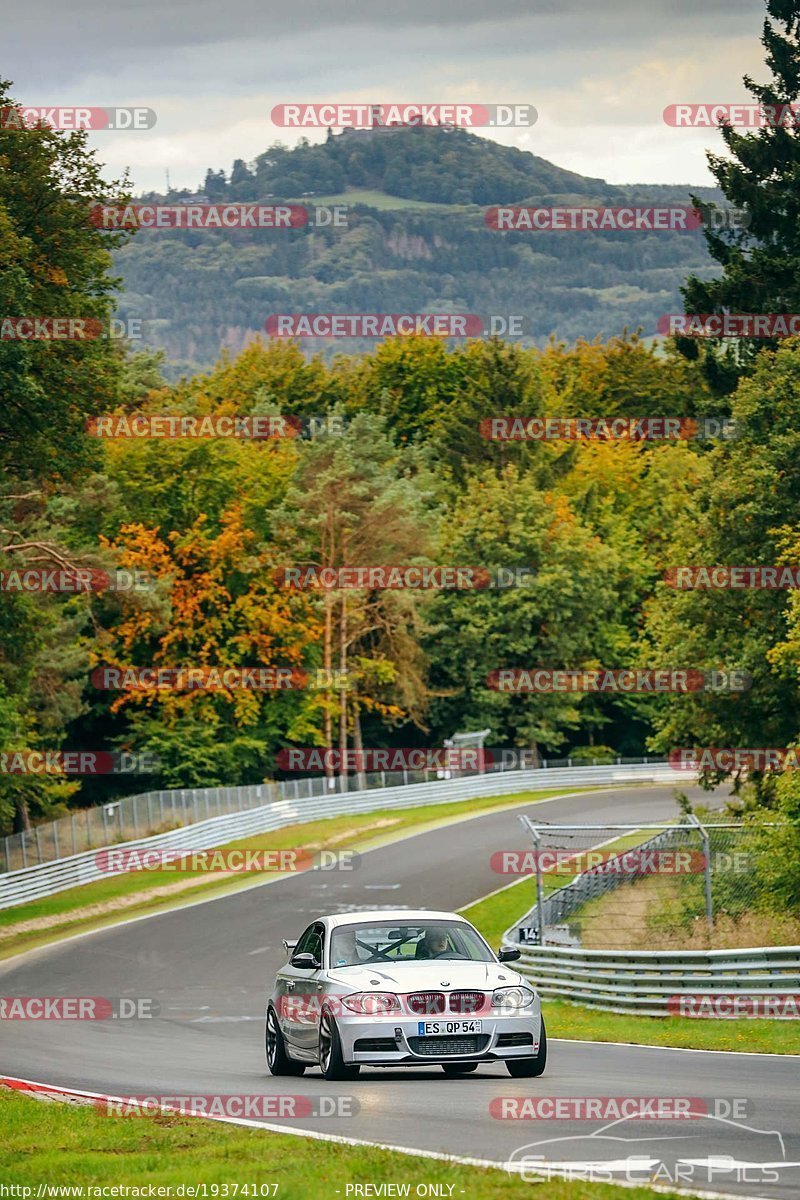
(452, 974)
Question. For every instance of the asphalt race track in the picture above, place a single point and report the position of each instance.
(210, 966)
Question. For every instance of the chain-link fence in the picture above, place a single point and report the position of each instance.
(685, 885)
(140, 816)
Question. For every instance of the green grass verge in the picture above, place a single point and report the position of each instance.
(59, 1144)
(77, 908)
(497, 913)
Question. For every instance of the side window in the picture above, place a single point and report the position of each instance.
(304, 942)
(315, 944)
(311, 942)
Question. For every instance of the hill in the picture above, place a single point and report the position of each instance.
(416, 240)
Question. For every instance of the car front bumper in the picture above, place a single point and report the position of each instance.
(398, 1042)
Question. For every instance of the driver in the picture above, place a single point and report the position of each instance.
(433, 944)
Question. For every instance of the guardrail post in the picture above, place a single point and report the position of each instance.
(135, 816)
(707, 868)
(55, 839)
(534, 832)
(74, 838)
(38, 843)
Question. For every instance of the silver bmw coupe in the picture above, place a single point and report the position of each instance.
(400, 988)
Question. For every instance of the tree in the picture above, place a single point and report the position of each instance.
(564, 617)
(222, 609)
(55, 263)
(747, 513)
(760, 175)
(358, 500)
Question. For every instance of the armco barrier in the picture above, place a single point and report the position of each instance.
(17, 887)
(129, 818)
(644, 981)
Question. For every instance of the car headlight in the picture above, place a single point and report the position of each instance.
(513, 997)
(372, 1003)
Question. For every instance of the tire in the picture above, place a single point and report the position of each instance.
(459, 1068)
(278, 1060)
(527, 1068)
(331, 1062)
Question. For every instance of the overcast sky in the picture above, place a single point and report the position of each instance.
(599, 74)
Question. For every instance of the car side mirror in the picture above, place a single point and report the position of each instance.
(509, 955)
(305, 962)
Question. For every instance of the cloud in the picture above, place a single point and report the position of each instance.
(599, 76)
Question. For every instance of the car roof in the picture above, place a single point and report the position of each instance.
(404, 915)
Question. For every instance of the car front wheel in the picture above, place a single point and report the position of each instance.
(331, 1062)
(278, 1060)
(526, 1068)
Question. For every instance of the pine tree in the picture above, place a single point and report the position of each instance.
(761, 175)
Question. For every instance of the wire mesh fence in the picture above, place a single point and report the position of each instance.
(138, 816)
(685, 885)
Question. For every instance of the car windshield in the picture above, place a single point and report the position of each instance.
(352, 945)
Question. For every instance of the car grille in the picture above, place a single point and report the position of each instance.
(466, 1002)
(427, 1003)
(440, 1047)
(515, 1039)
(375, 1045)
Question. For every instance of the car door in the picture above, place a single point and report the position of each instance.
(303, 992)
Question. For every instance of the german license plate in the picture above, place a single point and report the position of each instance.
(429, 1028)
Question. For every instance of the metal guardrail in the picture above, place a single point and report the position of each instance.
(45, 879)
(647, 982)
(650, 982)
(130, 817)
(588, 885)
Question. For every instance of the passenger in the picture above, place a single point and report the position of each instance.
(346, 950)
